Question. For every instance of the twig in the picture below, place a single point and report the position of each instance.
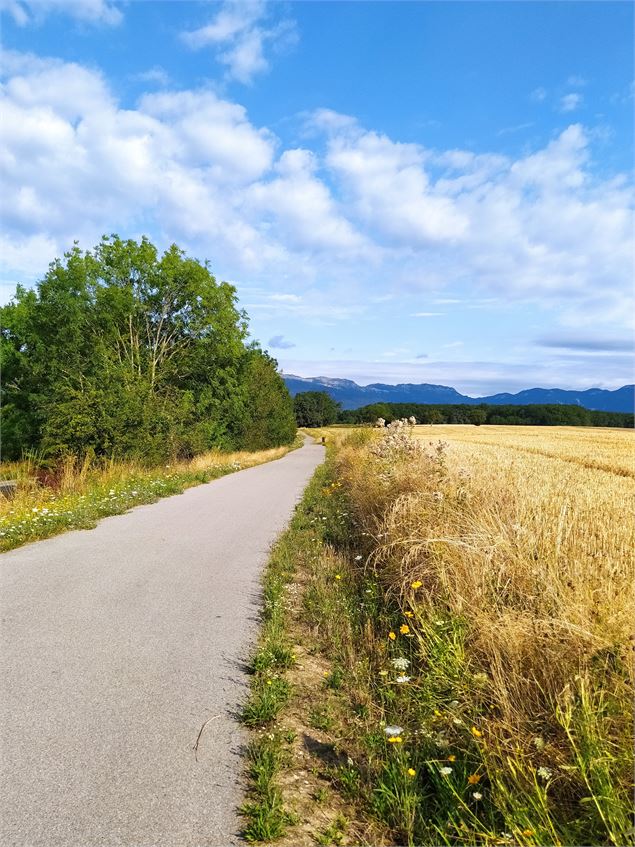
(200, 732)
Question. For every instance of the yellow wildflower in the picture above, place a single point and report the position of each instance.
(337, 576)
(395, 739)
(417, 584)
(474, 778)
(409, 614)
(412, 772)
(476, 732)
(404, 629)
(452, 758)
(392, 636)
(528, 832)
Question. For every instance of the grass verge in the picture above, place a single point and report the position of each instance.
(421, 713)
(77, 496)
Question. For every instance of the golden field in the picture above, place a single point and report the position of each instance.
(509, 552)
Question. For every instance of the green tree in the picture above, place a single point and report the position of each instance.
(122, 351)
(315, 408)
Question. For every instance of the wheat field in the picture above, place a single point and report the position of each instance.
(521, 540)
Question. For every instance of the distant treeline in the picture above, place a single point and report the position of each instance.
(122, 352)
(534, 415)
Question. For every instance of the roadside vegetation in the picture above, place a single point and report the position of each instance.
(69, 495)
(122, 353)
(458, 618)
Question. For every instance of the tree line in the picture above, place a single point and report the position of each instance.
(124, 352)
(317, 408)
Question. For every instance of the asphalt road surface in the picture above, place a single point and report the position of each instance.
(117, 645)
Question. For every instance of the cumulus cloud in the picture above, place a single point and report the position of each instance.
(357, 217)
(239, 34)
(89, 11)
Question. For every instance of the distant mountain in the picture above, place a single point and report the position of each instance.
(352, 396)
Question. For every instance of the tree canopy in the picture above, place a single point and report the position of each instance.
(121, 351)
(315, 408)
(485, 413)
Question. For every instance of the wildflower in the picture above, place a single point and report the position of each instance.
(338, 576)
(403, 679)
(544, 773)
(358, 558)
(404, 629)
(392, 636)
(412, 772)
(400, 663)
(393, 729)
(416, 584)
(528, 832)
(539, 743)
(452, 758)
(477, 795)
(474, 778)
(409, 614)
(476, 732)
(395, 739)
(445, 771)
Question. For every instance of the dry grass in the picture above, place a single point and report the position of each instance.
(75, 494)
(521, 540)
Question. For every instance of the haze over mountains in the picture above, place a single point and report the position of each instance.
(352, 396)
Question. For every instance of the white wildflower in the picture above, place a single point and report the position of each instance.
(445, 771)
(358, 558)
(400, 663)
(544, 773)
(393, 730)
(477, 795)
(402, 679)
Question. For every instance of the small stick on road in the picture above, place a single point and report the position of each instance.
(200, 732)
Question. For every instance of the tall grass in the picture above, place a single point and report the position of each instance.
(502, 579)
(76, 493)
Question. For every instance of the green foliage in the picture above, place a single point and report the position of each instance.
(315, 408)
(484, 413)
(266, 817)
(120, 351)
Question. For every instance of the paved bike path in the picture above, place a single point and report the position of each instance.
(116, 645)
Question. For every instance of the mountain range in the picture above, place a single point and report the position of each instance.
(352, 396)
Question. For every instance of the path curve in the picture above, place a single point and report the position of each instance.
(116, 645)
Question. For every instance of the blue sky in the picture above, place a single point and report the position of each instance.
(401, 192)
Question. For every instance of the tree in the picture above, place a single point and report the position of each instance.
(122, 351)
(269, 418)
(315, 408)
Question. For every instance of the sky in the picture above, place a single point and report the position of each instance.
(435, 192)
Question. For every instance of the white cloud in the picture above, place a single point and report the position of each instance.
(339, 228)
(239, 34)
(90, 11)
(155, 74)
(571, 102)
